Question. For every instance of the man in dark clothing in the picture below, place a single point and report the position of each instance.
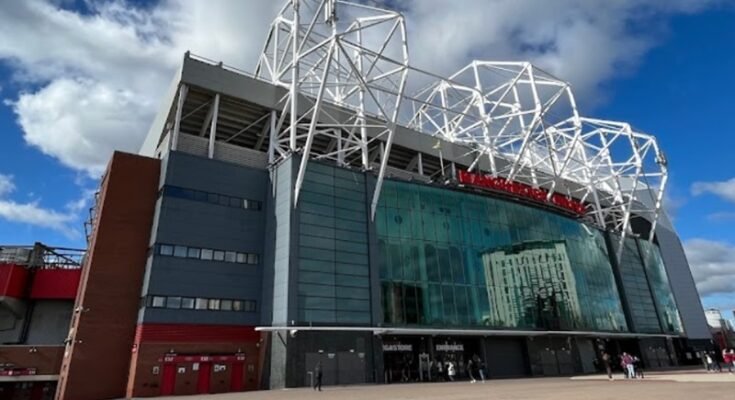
(608, 367)
(318, 376)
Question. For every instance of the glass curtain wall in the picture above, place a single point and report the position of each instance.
(665, 302)
(456, 259)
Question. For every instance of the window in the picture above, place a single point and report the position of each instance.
(219, 255)
(207, 254)
(212, 198)
(226, 305)
(237, 305)
(242, 258)
(213, 304)
(201, 304)
(158, 302)
(194, 252)
(173, 302)
(166, 250)
(249, 305)
(230, 256)
(252, 258)
(180, 251)
(187, 303)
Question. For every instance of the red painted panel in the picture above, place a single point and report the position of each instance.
(191, 333)
(205, 373)
(168, 379)
(13, 280)
(55, 284)
(236, 376)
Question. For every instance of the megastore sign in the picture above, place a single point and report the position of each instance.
(520, 190)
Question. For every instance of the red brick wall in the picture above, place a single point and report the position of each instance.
(155, 341)
(110, 287)
(46, 359)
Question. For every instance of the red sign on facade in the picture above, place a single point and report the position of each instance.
(520, 190)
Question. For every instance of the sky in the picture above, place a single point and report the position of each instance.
(80, 79)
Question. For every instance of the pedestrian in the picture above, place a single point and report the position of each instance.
(626, 361)
(471, 370)
(318, 375)
(451, 372)
(606, 362)
(481, 368)
(638, 367)
(727, 360)
(732, 359)
(710, 363)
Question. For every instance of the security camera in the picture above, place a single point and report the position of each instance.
(293, 332)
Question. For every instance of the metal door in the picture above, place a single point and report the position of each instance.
(168, 379)
(205, 375)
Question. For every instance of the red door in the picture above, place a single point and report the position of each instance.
(236, 376)
(205, 372)
(168, 379)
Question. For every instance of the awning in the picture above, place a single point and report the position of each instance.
(381, 331)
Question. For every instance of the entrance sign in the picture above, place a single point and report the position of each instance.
(397, 347)
(450, 347)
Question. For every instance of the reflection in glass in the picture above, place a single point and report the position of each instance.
(449, 258)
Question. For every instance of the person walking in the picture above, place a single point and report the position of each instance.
(608, 366)
(626, 361)
(318, 376)
(451, 371)
(727, 360)
(481, 368)
(471, 370)
(710, 362)
(638, 367)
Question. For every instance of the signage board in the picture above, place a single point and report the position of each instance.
(521, 190)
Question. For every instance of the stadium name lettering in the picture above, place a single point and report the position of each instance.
(520, 190)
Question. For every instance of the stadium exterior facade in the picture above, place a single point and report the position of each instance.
(317, 212)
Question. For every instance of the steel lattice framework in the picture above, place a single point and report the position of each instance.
(336, 56)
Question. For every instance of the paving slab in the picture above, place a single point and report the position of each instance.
(512, 389)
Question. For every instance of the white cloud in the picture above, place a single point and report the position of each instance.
(6, 185)
(33, 213)
(724, 189)
(100, 75)
(713, 266)
(81, 122)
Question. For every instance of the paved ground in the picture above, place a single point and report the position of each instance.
(671, 386)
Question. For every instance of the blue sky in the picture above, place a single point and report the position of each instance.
(77, 82)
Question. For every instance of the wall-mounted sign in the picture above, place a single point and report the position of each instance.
(450, 347)
(181, 370)
(397, 347)
(156, 370)
(220, 368)
(521, 190)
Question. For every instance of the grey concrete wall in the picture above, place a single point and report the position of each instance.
(682, 284)
(50, 322)
(212, 226)
(282, 259)
(11, 326)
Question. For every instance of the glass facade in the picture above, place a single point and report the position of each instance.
(637, 292)
(456, 259)
(665, 304)
(334, 270)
